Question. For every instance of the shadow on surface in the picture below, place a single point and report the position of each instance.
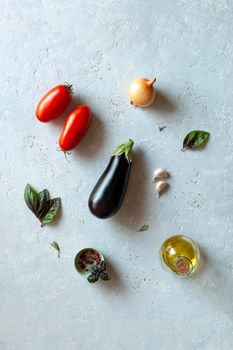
(115, 283)
(163, 104)
(214, 285)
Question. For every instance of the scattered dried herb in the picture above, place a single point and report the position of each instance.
(195, 139)
(143, 228)
(56, 246)
(161, 128)
(98, 272)
(39, 203)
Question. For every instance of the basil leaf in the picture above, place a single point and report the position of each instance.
(143, 228)
(104, 276)
(94, 268)
(92, 278)
(56, 246)
(43, 199)
(39, 203)
(51, 210)
(195, 139)
(31, 198)
(103, 265)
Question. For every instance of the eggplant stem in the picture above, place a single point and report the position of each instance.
(126, 149)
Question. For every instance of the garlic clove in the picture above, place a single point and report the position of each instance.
(160, 187)
(160, 174)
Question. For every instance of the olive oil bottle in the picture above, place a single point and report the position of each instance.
(181, 254)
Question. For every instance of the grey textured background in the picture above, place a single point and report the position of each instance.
(100, 46)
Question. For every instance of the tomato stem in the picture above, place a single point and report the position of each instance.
(65, 153)
(69, 87)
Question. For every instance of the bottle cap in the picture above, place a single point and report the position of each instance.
(183, 266)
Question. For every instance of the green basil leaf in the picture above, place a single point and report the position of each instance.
(94, 268)
(103, 265)
(43, 199)
(51, 210)
(195, 139)
(31, 198)
(56, 246)
(104, 276)
(143, 228)
(92, 278)
(39, 203)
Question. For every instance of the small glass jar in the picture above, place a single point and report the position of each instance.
(91, 264)
(85, 258)
(181, 255)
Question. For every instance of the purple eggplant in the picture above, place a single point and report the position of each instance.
(109, 192)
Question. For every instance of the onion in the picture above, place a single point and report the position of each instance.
(142, 92)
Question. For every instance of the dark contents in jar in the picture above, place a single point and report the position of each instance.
(89, 257)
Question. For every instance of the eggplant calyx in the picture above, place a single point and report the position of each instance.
(126, 149)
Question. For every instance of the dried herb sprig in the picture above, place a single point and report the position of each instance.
(44, 208)
(98, 272)
(143, 228)
(161, 128)
(55, 245)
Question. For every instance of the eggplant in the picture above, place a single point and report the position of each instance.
(108, 194)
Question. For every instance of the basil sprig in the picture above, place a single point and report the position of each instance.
(195, 139)
(39, 203)
(98, 272)
(55, 245)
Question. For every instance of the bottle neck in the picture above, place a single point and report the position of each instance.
(183, 266)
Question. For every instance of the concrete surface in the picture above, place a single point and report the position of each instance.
(100, 46)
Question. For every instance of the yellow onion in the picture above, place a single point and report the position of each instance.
(141, 92)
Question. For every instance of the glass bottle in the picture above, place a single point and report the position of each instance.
(181, 255)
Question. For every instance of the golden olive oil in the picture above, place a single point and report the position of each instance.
(181, 254)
